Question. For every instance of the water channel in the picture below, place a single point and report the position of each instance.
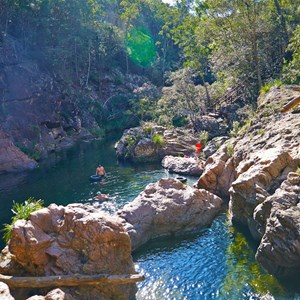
(216, 262)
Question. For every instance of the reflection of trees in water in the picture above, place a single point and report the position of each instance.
(244, 272)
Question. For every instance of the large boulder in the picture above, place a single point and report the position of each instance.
(75, 239)
(219, 173)
(214, 126)
(12, 159)
(168, 207)
(183, 165)
(151, 143)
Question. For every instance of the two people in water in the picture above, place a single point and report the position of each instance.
(100, 171)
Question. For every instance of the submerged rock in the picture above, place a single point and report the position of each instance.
(75, 239)
(183, 165)
(168, 207)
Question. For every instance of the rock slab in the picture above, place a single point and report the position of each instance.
(183, 165)
(168, 207)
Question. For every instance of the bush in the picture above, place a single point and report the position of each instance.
(21, 211)
(235, 129)
(230, 149)
(266, 87)
(203, 136)
(158, 139)
(98, 132)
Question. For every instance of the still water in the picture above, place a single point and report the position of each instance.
(216, 262)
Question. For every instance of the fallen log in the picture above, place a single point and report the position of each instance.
(69, 280)
(291, 104)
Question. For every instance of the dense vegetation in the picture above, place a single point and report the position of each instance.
(198, 50)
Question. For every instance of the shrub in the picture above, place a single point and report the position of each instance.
(21, 211)
(298, 171)
(266, 87)
(203, 136)
(235, 129)
(98, 132)
(158, 139)
(230, 149)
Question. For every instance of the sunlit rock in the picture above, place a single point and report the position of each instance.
(76, 239)
(168, 207)
(183, 165)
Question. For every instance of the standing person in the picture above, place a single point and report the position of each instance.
(100, 171)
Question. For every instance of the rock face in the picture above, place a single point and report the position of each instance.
(183, 165)
(168, 207)
(138, 144)
(219, 173)
(255, 170)
(75, 239)
(277, 220)
(214, 126)
(11, 157)
(41, 112)
(213, 145)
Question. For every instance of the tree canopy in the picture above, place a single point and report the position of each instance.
(221, 42)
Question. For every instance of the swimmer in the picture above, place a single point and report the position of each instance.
(101, 196)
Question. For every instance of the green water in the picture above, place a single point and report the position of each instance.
(216, 262)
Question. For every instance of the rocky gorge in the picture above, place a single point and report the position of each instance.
(257, 171)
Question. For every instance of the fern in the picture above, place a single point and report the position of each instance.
(21, 211)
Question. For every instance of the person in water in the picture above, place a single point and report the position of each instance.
(101, 196)
(100, 171)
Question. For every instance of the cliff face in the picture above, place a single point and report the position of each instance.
(257, 172)
(40, 112)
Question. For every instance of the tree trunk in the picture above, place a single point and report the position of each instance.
(69, 280)
(89, 66)
(256, 59)
(282, 21)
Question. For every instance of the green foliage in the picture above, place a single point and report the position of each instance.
(235, 129)
(21, 211)
(230, 149)
(267, 86)
(292, 68)
(140, 47)
(158, 140)
(241, 270)
(261, 131)
(31, 152)
(180, 121)
(203, 136)
(98, 132)
(130, 141)
(298, 171)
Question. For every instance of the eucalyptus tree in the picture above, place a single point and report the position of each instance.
(244, 41)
